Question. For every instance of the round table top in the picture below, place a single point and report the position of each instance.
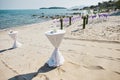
(55, 32)
(13, 32)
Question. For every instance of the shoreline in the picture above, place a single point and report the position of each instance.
(110, 14)
(24, 26)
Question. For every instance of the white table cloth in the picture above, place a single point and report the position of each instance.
(13, 35)
(55, 38)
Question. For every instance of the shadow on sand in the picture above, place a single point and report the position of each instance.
(30, 76)
(5, 50)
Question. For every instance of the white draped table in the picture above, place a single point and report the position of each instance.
(55, 37)
(13, 35)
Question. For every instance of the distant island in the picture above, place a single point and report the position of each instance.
(54, 8)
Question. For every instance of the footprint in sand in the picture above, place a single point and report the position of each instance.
(70, 50)
(94, 67)
(109, 48)
(118, 59)
(60, 70)
(105, 57)
(80, 45)
(117, 49)
(6, 65)
(75, 64)
(92, 46)
(43, 77)
(99, 57)
(117, 72)
(108, 58)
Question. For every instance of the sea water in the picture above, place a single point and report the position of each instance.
(15, 18)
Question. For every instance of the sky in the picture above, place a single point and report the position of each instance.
(36, 4)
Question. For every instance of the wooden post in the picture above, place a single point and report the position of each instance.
(84, 21)
(70, 20)
(61, 23)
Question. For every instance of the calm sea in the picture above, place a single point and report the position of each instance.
(15, 18)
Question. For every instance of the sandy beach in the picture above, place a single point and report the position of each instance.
(90, 54)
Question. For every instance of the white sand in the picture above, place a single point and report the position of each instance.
(92, 54)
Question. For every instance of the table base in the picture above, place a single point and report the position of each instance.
(56, 59)
(16, 44)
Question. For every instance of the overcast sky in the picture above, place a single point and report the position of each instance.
(36, 4)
